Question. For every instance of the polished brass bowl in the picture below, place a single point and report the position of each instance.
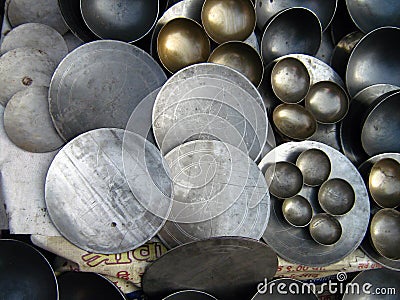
(384, 183)
(385, 233)
(228, 20)
(297, 211)
(328, 102)
(336, 197)
(294, 121)
(241, 57)
(315, 166)
(182, 42)
(290, 80)
(325, 229)
(284, 179)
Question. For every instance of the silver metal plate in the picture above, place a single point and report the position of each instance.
(296, 244)
(89, 199)
(99, 85)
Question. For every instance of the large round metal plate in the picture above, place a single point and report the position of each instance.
(86, 180)
(228, 268)
(296, 244)
(218, 191)
(37, 36)
(28, 123)
(99, 85)
(22, 68)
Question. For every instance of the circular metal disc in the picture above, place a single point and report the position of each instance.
(22, 68)
(218, 191)
(28, 123)
(37, 36)
(99, 85)
(89, 199)
(43, 11)
(296, 244)
(228, 268)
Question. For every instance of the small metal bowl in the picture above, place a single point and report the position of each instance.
(241, 57)
(336, 197)
(325, 229)
(327, 101)
(385, 233)
(293, 30)
(384, 183)
(182, 42)
(290, 80)
(315, 166)
(226, 21)
(284, 180)
(190, 294)
(297, 211)
(294, 121)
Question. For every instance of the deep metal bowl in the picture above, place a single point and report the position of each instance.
(328, 102)
(294, 121)
(336, 197)
(293, 30)
(297, 211)
(290, 80)
(284, 179)
(385, 233)
(315, 166)
(384, 183)
(374, 60)
(381, 128)
(241, 57)
(190, 294)
(232, 20)
(325, 229)
(182, 42)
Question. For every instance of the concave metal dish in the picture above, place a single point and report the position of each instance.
(189, 267)
(336, 196)
(374, 60)
(99, 84)
(127, 21)
(25, 273)
(297, 211)
(190, 294)
(325, 229)
(283, 288)
(315, 166)
(295, 244)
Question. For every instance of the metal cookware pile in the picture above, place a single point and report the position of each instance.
(233, 131)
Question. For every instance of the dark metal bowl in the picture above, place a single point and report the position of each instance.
(336, 197)
(315, 166)
(325, 229)
(297, 211)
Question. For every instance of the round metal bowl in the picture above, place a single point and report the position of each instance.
(293, 30)
(190, 294)
(325, 229)
(328, 102)
(182, 42)
(228, 20)
(336, 197)
(290, 80)
(315, 166)
(297, 211)
(126, 21)
(240, 56)
(385, 233)
(294, 121)
(384, 183)
(374, 60)
(381, 128)
(284, 179)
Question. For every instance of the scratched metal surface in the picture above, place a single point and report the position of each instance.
(295, 244)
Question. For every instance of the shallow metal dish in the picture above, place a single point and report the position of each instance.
(336, 196)
(315, 166)
(325, 229)
(297, 211)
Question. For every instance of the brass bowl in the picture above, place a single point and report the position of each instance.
(315, 166)
(182, 42)
(241, 57)
(325, 229)
(336, 197)
(294, 121)
(385, 233)
(228, 20)
(284, 180)
(297, 211)
(384, 183)
(290, 80)
(327, 101)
